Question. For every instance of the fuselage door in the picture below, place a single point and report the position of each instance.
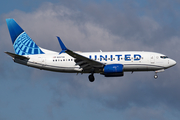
(152, 59)
(43, 61)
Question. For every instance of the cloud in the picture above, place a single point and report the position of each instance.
(146, 113)
(93, 27)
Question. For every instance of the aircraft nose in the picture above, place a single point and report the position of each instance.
(172, 62)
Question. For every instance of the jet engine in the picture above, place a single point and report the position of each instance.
(113, 70)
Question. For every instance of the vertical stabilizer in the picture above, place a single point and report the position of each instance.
(22, 43)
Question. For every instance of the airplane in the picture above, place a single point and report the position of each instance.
(109, 64)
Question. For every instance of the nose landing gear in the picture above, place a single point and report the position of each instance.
(91, 78)
(155, 76)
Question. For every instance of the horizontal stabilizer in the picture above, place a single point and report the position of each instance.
(17, 56)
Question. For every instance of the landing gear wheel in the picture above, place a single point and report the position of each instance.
(91, 78)
(155, 76)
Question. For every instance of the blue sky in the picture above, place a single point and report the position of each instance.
(29, 93)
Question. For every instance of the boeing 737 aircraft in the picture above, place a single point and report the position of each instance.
(109, 64)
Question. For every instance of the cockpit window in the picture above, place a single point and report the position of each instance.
(164, 57)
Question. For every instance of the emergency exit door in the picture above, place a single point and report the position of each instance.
(152, 59)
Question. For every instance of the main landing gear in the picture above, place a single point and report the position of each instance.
(91, 78)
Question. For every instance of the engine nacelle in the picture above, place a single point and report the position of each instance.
(113, 70)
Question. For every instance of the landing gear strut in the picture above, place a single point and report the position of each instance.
(157, 71)
(91, 78)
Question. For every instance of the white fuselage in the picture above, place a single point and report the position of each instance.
(131, 61)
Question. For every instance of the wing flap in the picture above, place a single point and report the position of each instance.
(80, 62)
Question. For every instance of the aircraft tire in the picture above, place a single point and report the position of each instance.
(91, 78)
(155, 76)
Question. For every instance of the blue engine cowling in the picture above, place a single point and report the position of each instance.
(113, 70)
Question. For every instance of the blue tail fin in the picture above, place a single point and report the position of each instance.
(22, 43)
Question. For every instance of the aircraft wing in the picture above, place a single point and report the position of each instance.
(84, 62)
(80, 60)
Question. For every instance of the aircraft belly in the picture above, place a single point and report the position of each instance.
(54, 67)
(140, 67)
(60, 69)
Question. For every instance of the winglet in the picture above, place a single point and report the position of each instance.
(63, 47)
